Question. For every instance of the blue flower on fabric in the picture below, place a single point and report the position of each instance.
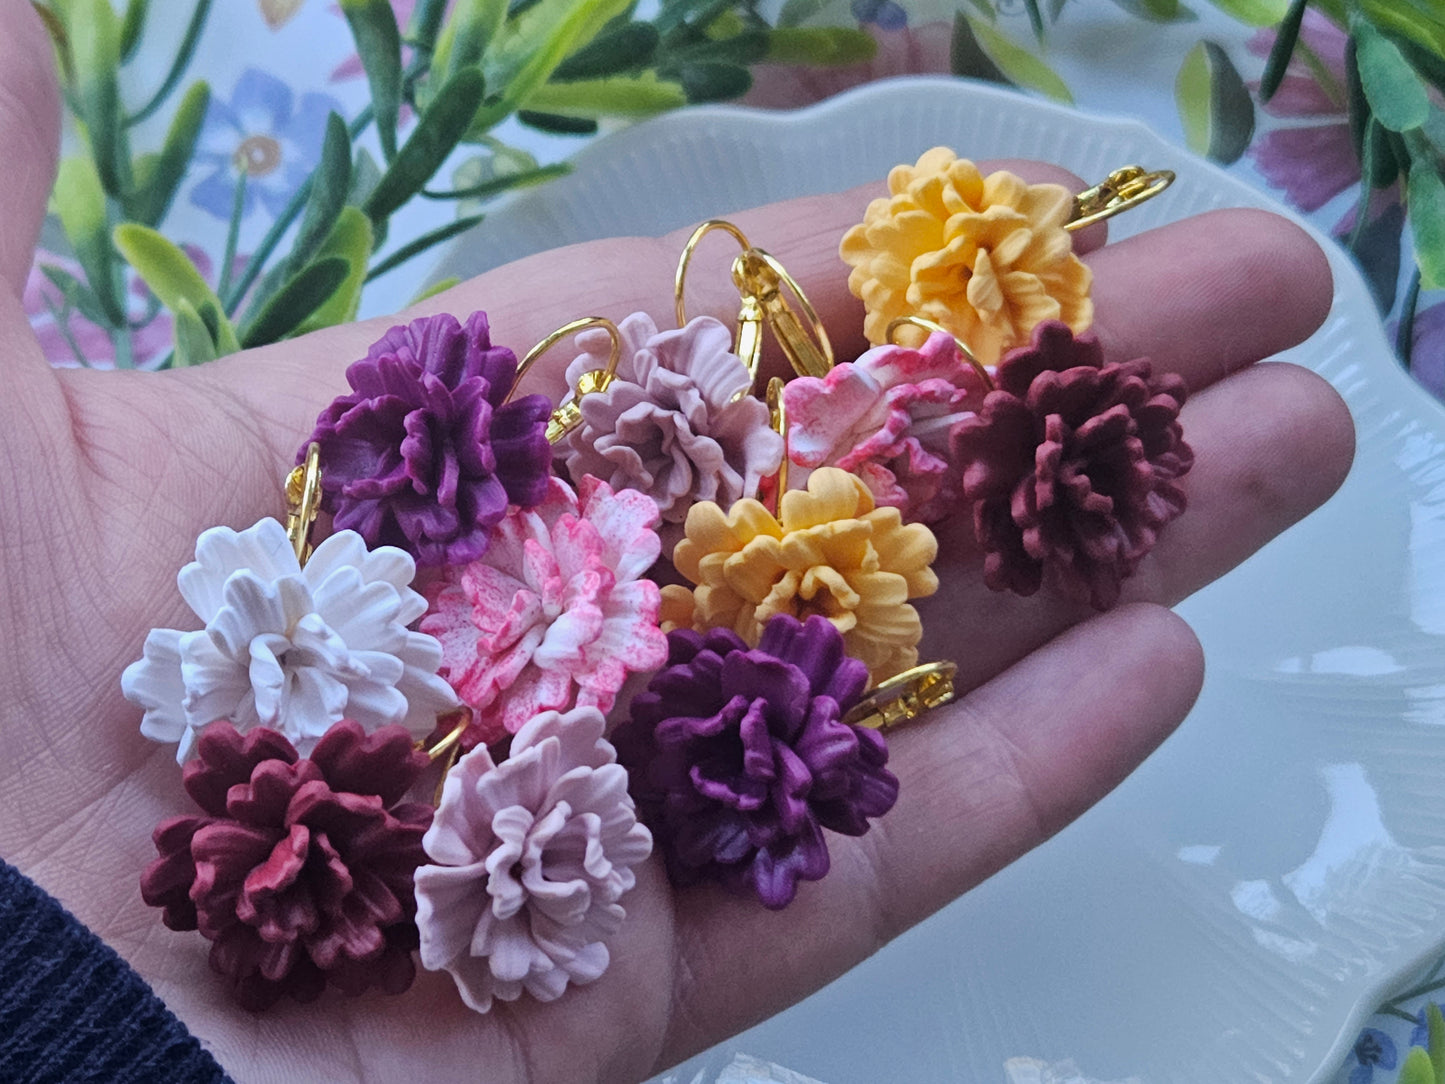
(1373, 1050)
(884, 14)
(264, 132)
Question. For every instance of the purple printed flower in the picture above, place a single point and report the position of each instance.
(266, 134)
(884, 14)
(1313, 163)
(1427, 357)
(426, 453)
(739, 758)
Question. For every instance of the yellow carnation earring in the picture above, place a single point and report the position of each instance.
(987, 258)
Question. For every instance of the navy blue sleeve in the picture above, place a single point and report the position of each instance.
(73, 1012)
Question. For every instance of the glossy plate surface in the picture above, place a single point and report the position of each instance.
(1235, 909)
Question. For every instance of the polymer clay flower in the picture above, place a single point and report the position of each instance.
(1072, 466)
(739, 757)
(531, 857)
(831, 552)
(988, 258)
(426, 453)
(886, 418)
(676, 422)
(290, 648)
(299, 872)
(556, 614)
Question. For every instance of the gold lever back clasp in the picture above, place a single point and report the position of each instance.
(1119, 191)
(758, 274)
(568, 415)
(938, 329)
(905, 697)
(449, 746)
(748, 333)
(778, 419)
(303, 501)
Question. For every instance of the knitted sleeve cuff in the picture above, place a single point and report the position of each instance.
(73, 1012)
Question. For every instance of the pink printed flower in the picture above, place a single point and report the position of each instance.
(888, 418)
(556, 613)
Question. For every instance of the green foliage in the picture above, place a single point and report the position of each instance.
(378, 43)
(1019, 66)
(172, 277)
(1214, 104)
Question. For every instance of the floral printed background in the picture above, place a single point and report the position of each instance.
(278, 68)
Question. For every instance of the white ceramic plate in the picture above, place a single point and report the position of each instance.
(1234, 910)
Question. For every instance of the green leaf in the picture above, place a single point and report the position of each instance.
(619, 96)
(797, 12)
(131, 27)
(714, 80)
(79, 201)
(441, 286)
(1036, 19)
(77, 294)
(171, 276)
(1420, 21)
(1358, 107)
(351, 240)
(330, 184)
(630, 47)
(966, 56)
(60, 39)
(94, 34)
(1282, 50)
(1018, 65)
(1214, 104)
(182, 61)
(473, 25)
(421, 244)
(1158, 11)
(1254, 12)
(193, 342)
(1417, 1068)
(821, 46)
(1435, 1030)
(1396, 94)
(169, 168)
(1382, 162)
(434, 138)
(378, 42)
(1426, 196)
(535, 45)
(298, 300)
(365, 176)
(557, 125)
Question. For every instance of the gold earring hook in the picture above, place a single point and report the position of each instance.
(905, 697)
(1119, 191)
(303, 502)
(935, 328)
(748, 331)
(778, 419)
(808, 349)
(448, 748)
(568, 415)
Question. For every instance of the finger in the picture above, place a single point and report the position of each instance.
(29, 132)
(983, 781)
(1271, 444)
(1211, 294)
(529, 298)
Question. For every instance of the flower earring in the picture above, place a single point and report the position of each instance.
(987, 258)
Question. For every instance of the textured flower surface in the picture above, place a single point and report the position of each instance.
(739, 757)
(426, 453)
(988, 258)
(672, 423)
(532, 857)
(887, 418)
(556, 614)
(298, 871)
(831, 553)
(290, 648)
(1072, 466)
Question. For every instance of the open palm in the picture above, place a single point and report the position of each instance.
(108, 477)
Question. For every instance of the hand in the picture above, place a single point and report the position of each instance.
(109, 477)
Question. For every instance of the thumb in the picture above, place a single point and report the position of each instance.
(29, 132)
